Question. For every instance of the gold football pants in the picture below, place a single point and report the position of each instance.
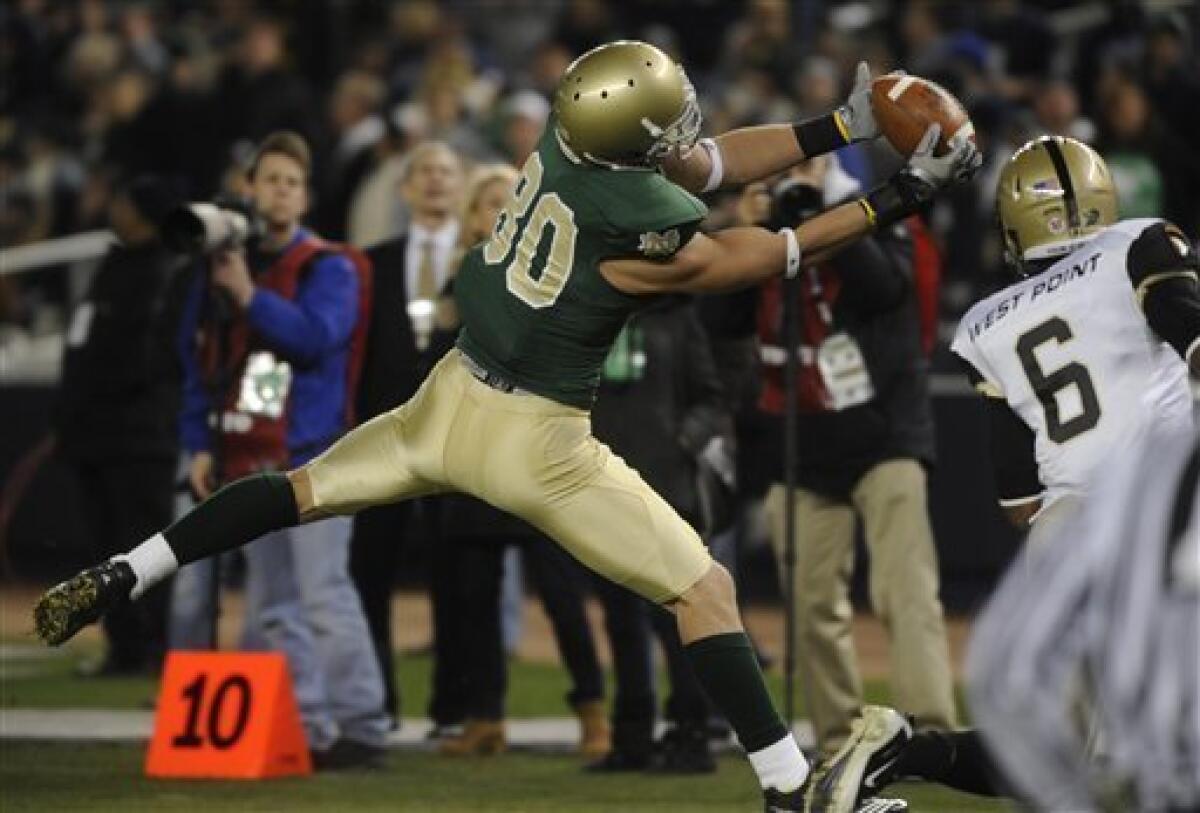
(527, 455)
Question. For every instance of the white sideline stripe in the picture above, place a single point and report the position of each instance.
(86, 245)
(898, 89)
(107, 725)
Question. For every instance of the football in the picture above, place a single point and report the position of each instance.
(905, 106)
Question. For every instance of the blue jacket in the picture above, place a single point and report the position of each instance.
(311, 332)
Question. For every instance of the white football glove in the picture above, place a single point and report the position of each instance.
(958, 164)
(855, 115)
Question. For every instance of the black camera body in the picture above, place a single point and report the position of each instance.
(206, 228)
(794, 201)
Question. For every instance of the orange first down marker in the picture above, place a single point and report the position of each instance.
(227, 715)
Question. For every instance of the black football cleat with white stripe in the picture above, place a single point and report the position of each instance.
(799, 800)
(847, 781)
(66, 608)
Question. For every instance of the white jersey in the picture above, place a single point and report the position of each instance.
(1102, 624)
(1071, 352)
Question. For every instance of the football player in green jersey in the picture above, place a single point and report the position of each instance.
(603, 218)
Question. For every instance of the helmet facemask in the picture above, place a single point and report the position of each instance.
(680, 135)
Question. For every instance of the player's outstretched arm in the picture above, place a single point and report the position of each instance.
(740, 257)
(749, 154)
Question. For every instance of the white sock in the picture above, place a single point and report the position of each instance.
(780, 766)
(152, 561)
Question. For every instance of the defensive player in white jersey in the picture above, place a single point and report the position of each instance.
(1085, 354)
(1103, 623)
(1081, 360)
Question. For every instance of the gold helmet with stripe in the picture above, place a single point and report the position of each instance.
(625, 104)
(1053, 195)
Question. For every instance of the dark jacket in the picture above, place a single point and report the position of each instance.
(670, 405)
(119, 394)
(875, 304)
(393, 367)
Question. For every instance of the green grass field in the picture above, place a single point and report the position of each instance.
(39, 778)
(99, 777)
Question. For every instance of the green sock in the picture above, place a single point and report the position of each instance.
(728, 670)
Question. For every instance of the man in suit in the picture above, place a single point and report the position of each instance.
(410, 271)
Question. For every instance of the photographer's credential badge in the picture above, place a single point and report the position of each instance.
(844, 372)
(265, 385)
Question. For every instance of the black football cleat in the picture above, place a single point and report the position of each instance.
(68, 607)
(775, 801)
(846, 782)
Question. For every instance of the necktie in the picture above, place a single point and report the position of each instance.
(426, 278)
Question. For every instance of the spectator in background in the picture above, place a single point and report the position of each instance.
(358, 127)
(1156, 172)
(1056, 111)
(115, 416)
(470, 671)
(376, 212)
(864, 442)
(272, 359)
(662, 409)
(258, 92)
(525, 115)
(410, 271)
(1172, 74)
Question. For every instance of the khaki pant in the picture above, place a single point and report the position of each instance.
(526, 455)
(891, 501)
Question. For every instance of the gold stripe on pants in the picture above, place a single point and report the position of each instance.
(525, 454)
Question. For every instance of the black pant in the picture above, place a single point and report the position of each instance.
(471, 675)
(374, 553)
(124, 502)
(629, 619)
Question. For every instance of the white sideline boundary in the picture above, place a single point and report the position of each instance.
(551, 734)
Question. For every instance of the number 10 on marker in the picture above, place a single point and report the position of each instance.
(227, 715)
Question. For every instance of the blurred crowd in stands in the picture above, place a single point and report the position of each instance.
(98, 90)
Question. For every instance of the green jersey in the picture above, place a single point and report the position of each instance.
(534, 307)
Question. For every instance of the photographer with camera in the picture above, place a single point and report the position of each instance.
(273, 343)
(115, 415)
(864, 441)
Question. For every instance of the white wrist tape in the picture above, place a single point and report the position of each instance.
(717, 173)
(793, 253)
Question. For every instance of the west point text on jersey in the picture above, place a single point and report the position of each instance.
(1046, 284)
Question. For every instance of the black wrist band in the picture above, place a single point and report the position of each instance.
(818, 136)
(903, 194)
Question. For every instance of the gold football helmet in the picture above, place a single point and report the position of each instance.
(625, 104)
(1054, 194)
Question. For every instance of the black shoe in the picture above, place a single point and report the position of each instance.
(66, 608)
(684, 749)
(620, 761)
(797, 801)
(776, 801)
(350, 755)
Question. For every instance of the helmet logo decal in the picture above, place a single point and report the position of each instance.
(1047, 188)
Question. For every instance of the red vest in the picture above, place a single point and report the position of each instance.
(819, 298)
(811, 395)
(255, 439)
